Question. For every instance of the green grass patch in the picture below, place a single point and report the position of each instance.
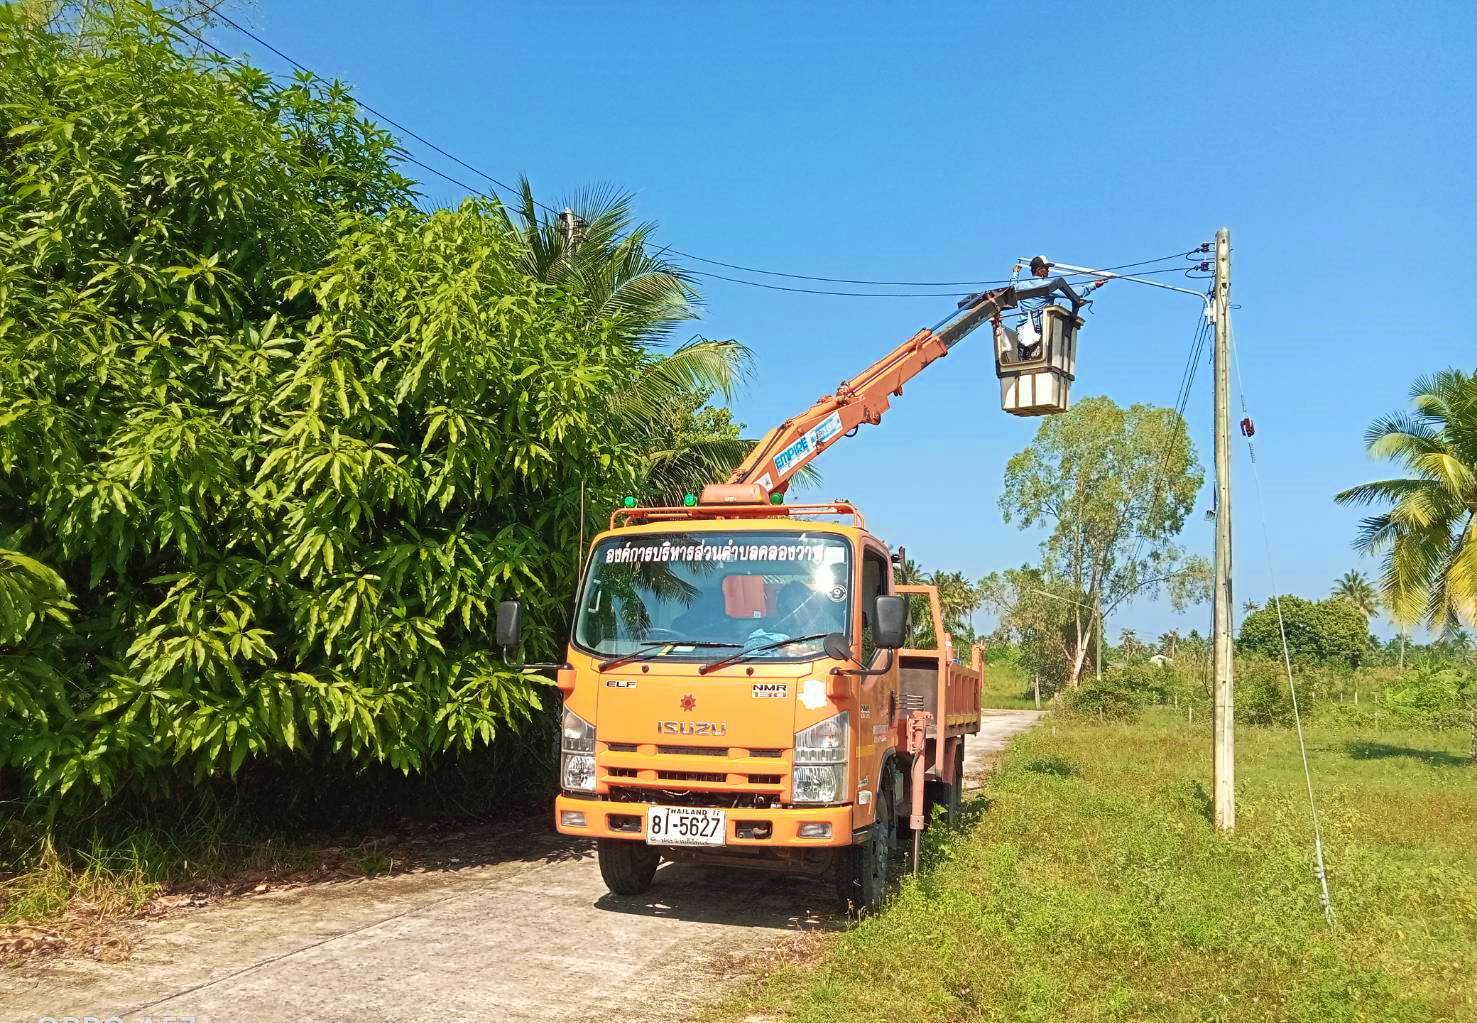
(1007, 686)
(1090, 885)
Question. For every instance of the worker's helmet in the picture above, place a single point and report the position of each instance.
(1038, 262)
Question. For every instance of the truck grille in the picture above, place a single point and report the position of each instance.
(731, 775)
(690, 776)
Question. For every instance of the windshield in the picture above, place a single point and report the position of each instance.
(746, 589)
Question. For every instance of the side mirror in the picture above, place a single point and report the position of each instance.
(508, 631)
(837, 647)
(890, 622)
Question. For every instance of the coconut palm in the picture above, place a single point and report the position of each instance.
(1356, 588)
(1129, 643)
(1427, 538)
(1249, 606)
(1168, 643)
(598, 252)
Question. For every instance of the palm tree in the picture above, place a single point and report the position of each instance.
(598, 252)
(1427, 537)
(908, 572)
(1128, 642)
(1249, 605)
(1356, 589)
(1169, 643)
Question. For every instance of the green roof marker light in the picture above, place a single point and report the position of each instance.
(629, 501)
(689, 500)
(776, 498)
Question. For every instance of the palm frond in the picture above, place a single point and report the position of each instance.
(703, 365)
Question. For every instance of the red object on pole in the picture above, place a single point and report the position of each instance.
(1248, 428)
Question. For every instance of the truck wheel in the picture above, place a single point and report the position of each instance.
(948, 795)
(955, 797)
(863, 872)
(627, 867)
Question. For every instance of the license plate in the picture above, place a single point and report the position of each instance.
(685, 825)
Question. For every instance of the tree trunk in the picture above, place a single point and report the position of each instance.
(1080, 657)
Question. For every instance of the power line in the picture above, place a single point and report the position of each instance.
(1074, 278)
(382, 116)
(367, 108)
(905, 284)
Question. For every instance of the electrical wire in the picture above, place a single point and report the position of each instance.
(498, 183)
(1070, 278)
(382, 116)
(902, 284)
(1319, 866)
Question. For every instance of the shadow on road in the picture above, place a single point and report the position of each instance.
(742, 898)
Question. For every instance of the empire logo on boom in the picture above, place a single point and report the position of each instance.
(692, 727)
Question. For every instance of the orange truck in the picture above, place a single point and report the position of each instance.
(739, 685)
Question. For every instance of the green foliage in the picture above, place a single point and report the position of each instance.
(1113, 487)
(1110, 698)
(1435, 696)
(1262, 695)
(1038, 618)
(1323, 631)
(1356, 589)
(1428, 537)
(283, 439)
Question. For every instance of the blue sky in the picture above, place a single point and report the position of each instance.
(939, 142)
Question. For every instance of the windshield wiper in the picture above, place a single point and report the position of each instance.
(748, 652)
(657, 644)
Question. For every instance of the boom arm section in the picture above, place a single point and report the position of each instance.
(863, 399)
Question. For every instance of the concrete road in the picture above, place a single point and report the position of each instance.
(524, 931)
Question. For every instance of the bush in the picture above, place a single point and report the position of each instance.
(1110, 698)
(1323, 631)
(273, 442)
(1262, 696)
(1438, 697)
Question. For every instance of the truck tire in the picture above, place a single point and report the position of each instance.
(950, 796)
(864, 872)
(627, 867)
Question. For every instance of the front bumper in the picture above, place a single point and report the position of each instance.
(784, 824)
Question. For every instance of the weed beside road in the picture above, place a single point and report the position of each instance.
(1090, 885)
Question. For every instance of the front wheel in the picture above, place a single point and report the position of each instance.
(627, 867)
(863, 872)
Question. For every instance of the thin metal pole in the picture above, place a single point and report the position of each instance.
(1224, 753)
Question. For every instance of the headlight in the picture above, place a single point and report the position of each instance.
(577, 760)
(823, 742)
(820, 761)
(579, 734)
(818, 784)
(578, 772)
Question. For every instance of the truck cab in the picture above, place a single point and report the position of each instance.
(732, 693)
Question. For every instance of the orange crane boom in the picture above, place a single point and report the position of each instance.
(862, 400)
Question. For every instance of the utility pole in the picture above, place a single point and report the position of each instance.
(1224, 755)
(573, 228)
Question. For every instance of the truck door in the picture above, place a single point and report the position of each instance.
(878, 692)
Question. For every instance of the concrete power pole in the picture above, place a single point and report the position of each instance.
(573, 228)
(1224, 756)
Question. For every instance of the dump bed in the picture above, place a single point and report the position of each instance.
(929, 679)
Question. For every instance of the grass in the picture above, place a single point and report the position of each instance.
(55, 896)
(1091, 886)
(1006, 686)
